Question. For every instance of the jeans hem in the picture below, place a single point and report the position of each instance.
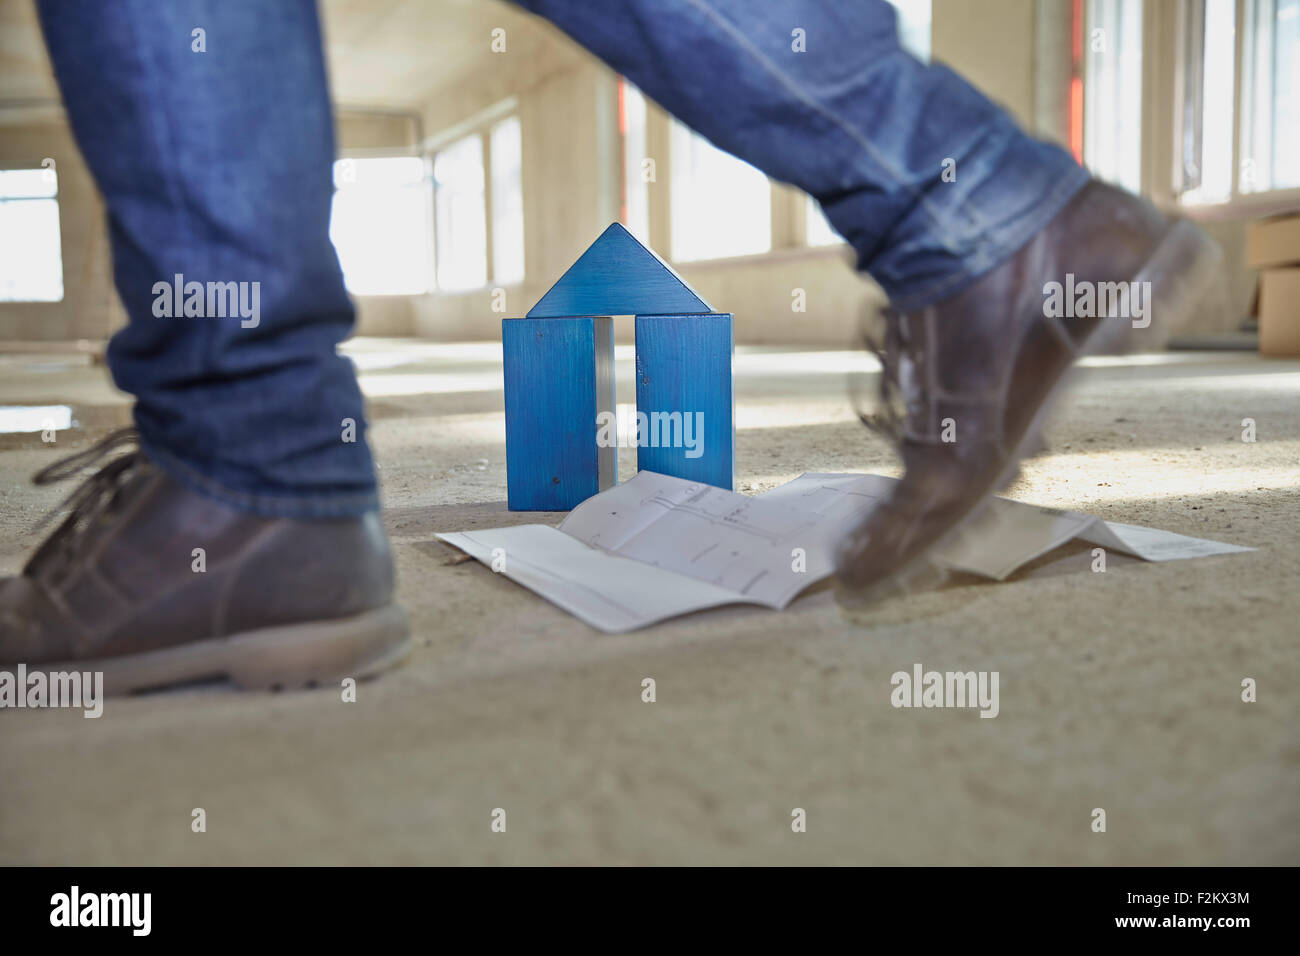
(271, 506)
(996, 251)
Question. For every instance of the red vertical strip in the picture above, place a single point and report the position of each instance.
(1076, 118)
(622, 106)
(1076, 80)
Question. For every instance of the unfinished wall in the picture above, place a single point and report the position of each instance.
(992, 44)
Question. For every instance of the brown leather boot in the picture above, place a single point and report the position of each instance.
(975, 374)
(122, 587)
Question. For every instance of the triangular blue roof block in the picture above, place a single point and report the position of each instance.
(619, 276)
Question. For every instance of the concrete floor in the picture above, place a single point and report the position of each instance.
(1118, 690)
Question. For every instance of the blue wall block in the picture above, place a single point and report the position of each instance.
(559, 375)
(619, 276)
(683, 367)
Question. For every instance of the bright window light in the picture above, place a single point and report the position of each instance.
(34, 418)
(505, 148)
(722, 206)
(1208, 102)
(31, 257)
(1270, 136)
(1112, 121)
(820, 232)
(380, 225)
(914, 26)
(636, 187)
(461, 215)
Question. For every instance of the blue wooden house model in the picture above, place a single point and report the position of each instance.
(559, 379)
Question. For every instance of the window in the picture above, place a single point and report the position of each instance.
(722, 206)
(914, 26)
(820, 232)
(1112, 95)
(477, 176)
(31, 257)
(1270, 135)
(461, 204)
(1205, 153)
(1238, 138)
(636, 171)
(507, 194)
(461, 215)
(380, 224)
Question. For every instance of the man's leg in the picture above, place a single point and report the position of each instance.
(242, 537)
(819, 93)
(960, 216)
(214, 152)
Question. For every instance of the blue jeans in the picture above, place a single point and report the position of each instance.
(216, 166)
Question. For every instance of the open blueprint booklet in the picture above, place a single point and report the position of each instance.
(655, 547)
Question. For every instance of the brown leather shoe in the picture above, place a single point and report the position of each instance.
(975, 374)
(121, 587)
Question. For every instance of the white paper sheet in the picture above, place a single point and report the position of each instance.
(655, 547)
(736, 542)
(609, 592)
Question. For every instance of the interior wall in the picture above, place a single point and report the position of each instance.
(1240, 281)
(992, 43)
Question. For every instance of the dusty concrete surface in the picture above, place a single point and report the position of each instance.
(1119, 690)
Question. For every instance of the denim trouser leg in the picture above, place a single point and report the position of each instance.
(854, 120)
(216, 165)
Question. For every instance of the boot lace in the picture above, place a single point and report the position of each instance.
(94, 498)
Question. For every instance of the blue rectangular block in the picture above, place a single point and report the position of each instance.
(559, 377)
(684, 390)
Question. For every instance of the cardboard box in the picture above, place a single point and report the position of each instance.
(1279, 312)
(1273, 242)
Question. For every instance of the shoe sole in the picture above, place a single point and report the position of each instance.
(1180, 293)
(308, 654)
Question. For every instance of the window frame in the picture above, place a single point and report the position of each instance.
(481, 126)
(1114, 24)
(788, 211)
(1169, 42)
(58, 215)
(490, 205)
(440, 257)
